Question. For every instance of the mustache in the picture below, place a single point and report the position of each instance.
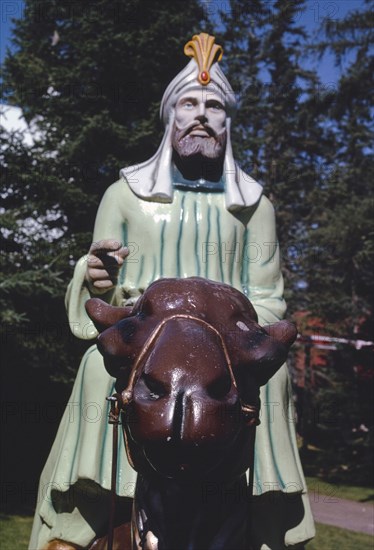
(196, 126)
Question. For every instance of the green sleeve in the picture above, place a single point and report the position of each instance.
(109, 223)
(261, 275)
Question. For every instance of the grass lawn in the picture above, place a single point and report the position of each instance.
(15, 532)
(333, 538)
(317, 486)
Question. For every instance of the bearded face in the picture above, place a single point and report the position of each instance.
(199, 128)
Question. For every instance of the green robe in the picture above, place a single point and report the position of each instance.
(193, 236)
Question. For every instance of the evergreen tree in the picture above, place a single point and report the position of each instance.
(245, 27)
(291, 136)
(342, 233)
(279, 131)
(340, 252)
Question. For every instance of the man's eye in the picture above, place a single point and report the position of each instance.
(188, 105)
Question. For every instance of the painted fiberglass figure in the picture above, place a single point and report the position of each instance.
(188, 211)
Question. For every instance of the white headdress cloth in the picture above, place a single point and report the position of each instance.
(153, 179)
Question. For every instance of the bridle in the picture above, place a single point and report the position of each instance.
(120, 401)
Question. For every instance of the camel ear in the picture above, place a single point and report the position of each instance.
(260, 351)
(283, 332)
(103, 315)
(282, 335)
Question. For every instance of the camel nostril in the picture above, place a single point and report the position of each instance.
(156, 389)
(219, 388)
(178, 417)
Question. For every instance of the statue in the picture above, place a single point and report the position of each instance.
(188, 211)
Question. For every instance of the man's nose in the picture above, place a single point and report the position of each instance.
(201, 116)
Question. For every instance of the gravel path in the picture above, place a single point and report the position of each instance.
(355, 516)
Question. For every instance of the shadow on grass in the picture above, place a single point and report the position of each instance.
(369, 498)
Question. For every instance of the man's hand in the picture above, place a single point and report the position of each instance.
(103, 263)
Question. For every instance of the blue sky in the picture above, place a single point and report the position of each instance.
(316, 11)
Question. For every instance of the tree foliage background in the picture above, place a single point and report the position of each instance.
(90, 76)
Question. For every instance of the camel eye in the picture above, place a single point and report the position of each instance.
(220, 387)
(155, 388)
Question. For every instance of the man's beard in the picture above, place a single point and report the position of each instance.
(212, 147)
(198, 156)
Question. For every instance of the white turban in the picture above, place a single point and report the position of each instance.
(154, 178)
(187, 80)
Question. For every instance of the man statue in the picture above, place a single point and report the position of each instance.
(188, 211)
